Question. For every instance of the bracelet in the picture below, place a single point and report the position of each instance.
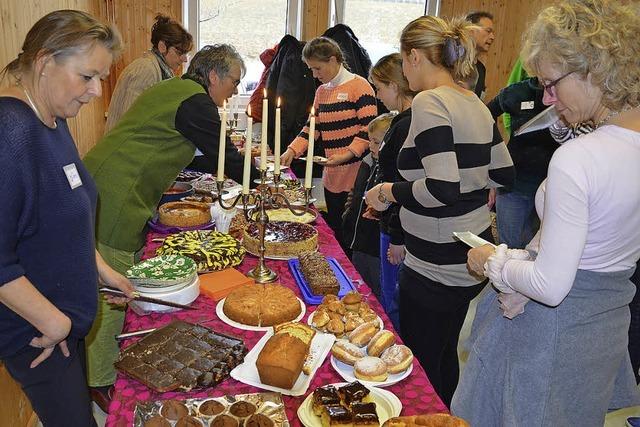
(382, 198)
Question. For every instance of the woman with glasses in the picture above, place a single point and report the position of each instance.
(140, 158)
(170, 45)
(549, 346)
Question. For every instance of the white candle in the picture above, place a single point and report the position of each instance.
(234, 103)
(223, 141)
(265, 118)
(276, 140)
(308, 176)
(246, 172)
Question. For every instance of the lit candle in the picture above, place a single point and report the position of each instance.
(265, 118)
(223, 141)
(276, 140)
(246, 172)
(312, 130)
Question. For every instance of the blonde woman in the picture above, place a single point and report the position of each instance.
(562, 360)
(452, 155)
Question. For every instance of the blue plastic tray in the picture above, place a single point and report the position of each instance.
(345, 283)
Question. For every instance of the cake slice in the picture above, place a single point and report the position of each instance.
(323, 396)
(364, 414)
(336, 416)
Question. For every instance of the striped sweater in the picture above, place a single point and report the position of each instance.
(343, 112)
(451, 157)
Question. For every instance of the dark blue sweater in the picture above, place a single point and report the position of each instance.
(46, 227)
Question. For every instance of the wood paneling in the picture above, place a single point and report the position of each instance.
(510, 20)
(315, 19)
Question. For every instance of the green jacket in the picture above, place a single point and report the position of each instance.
(137, 161)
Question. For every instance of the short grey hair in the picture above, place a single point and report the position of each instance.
(219, 58)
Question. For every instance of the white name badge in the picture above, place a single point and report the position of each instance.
(72, 175)
(527, 105)
(343, 96)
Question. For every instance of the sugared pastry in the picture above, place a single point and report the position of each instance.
(370, 369)
(157, 421)
(242, 409)
(352, 300)
(333, 315)
(258, 420)
(380, 342)
(354, 392)
(337, 307)
(364, 307)
(364, 414)
(361, 335)
(353, 322)
(336, 416)
(369, 316)
(336, 327)
(347, 352)
(224, 421)
(323, 396)
(189, 422)
(211, 407)
(320, 319)
(398, 358)
(174, 410)
(330, 298)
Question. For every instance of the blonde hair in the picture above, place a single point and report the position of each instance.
(387, 70)
(596, 37)
(322, 49)
(445, 43)
(382, 122)
(61, 34)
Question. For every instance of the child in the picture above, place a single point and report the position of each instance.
(360, 228)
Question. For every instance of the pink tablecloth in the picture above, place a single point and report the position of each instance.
(415, 392)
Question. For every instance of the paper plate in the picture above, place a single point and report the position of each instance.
(225, 319)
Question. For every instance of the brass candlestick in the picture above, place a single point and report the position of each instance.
(255, 206)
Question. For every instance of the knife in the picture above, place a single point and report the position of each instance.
(137, 297)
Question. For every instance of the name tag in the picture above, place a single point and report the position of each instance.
(343, 96)
(526, 105)
(72, 175)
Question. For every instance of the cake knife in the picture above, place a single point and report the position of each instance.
(137, 297)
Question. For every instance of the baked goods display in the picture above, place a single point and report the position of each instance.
(398, 358)
(182, 356)
(188, 176)
(283, 239)
(430, 420)
(318, 274)
(261, 305)
(184, 214)
(347, 405)
(162, 271)
(336, 317)
(237, 226)
(210, 250)
(371, 369)
(243, 410)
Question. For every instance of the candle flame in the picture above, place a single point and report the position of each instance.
(249, 110)
(313, 111)
(278, 105)
(264, 93)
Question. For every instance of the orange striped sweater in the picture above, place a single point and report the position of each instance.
(343, 113)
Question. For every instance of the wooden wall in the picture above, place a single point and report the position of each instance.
(315, 19)
(510, 20)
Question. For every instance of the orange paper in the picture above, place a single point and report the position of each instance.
(219, 284)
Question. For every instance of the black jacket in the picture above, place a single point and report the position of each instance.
(531, 152)
(361, 234)
(355, 55)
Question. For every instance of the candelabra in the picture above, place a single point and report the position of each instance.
(254, 206)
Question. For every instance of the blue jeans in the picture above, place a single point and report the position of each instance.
(517, 218)
(389, 283)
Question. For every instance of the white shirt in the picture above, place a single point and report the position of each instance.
(342, 77)
(590, 211)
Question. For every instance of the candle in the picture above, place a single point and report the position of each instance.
(308, 176)
(276, 140)
(234, 103)
(223, 141)
(265, 118)
(246, 172)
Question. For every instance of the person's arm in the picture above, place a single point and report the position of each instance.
(109, 277)
(495, 106)
(299, 145)
(501, 169)
(198, 120)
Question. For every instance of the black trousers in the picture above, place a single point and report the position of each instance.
(431, 316)
(634, 326)
(57, 388)
(335, 208)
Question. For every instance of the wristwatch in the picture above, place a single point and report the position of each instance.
(382, 198)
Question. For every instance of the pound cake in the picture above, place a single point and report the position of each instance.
(261, 305)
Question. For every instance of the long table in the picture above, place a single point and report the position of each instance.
(415, 392)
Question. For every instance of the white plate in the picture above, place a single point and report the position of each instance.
(471, 239)
(317, 159)
(310, 322)
(145, 290)
(278, 258)
(248, 373)
(346, 372)
(185, 295)
(387, 406)
(225, 319)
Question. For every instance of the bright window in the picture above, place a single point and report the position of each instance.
(378, 23)
(250, 26)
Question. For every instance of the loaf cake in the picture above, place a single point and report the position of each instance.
(281, 359)
(318, 274)
(282, 239)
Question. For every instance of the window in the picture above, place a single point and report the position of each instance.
(378, 23)
(250, 26)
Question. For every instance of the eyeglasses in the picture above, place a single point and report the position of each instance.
(547, 87)
(235, 81)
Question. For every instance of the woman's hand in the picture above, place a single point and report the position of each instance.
(287, 157)
(370, 213)
(109, 277)
(477, 257)
(338, 159)
(396, 253)
(373, 200)
(57, 333)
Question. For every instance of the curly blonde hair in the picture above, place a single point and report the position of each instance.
(430, 35)
(596, 37)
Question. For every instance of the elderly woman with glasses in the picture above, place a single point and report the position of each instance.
(549, 345)
(141, 157)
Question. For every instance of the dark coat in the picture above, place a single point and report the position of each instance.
(355, 55)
